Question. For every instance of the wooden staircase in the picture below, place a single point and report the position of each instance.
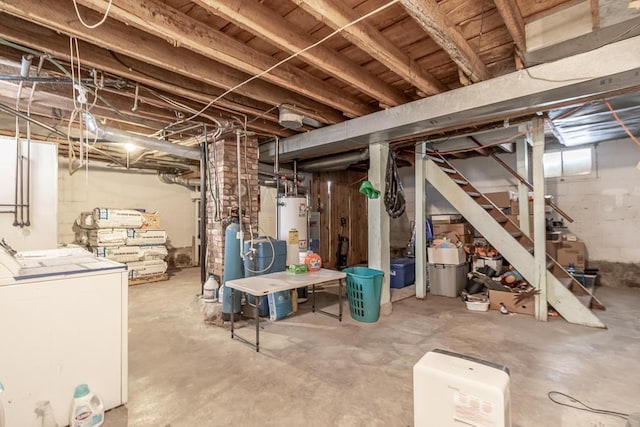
(564, 293)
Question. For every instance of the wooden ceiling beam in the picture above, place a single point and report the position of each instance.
(336, 14)
(45, 40)
(165, 22)
(258, 19)
(146, 49)
(428, 14)
(514, 22)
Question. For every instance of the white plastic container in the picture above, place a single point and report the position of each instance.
(1, 407)
(87, 409)
(477, 305)
(210, 292)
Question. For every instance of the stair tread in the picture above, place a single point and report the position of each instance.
(487, 207)
(449, 170)
(460, 181)
(501, 219)
(550, 264)
(474, 194)
(516, 234)
(435, 159)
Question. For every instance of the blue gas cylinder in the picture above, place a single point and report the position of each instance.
(232, 267)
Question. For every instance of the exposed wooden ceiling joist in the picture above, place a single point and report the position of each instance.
(159, 19)
(428, 14)
(252, 16)
(364, 35)
(147, 49)
(512, 17)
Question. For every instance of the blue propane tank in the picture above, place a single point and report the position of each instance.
(232, 267)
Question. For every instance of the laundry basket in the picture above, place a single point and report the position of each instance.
(364, 286)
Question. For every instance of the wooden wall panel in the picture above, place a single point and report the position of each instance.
(335, 195)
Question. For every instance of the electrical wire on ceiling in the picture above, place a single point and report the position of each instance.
(621, 123)
(290, 57)
(97, 24)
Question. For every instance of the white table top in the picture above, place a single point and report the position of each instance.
(282, 281)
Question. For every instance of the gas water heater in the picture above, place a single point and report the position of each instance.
(292, 225)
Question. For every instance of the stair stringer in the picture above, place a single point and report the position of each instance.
(560, 298)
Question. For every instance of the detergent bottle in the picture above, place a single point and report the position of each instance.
(87, 409)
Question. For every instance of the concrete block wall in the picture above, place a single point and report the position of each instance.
(223, 164)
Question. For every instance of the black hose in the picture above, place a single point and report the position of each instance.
(394, 200)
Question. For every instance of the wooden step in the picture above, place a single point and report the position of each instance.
(502, 220)
(460, 181)
(550, 265)
(516, 234)
(450, 171)
(435, 159)
(529, 249)
(474, 194)
(487, 207)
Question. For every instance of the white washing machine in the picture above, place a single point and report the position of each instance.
(63, 322)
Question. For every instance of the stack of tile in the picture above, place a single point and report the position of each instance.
(128, 236)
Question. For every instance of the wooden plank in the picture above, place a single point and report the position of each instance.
(448, 37)
(253, 16)
(595, 14)
(147, 49)
(369, 39)
(341, 200)
(156, 18)
(512, 17)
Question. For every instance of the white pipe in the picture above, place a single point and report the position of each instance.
(239, 164)
(115, 135)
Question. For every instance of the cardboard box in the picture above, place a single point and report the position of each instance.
(552, 248)
(509, 300)
(151, 221)
(451, 256)
(446, 219)
(501, 199)
(462, 232)
(515, 207)
(572, 253)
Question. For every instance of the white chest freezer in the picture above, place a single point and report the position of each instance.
(454, 390)
(63, 322)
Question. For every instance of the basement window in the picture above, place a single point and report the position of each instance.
(568, 162)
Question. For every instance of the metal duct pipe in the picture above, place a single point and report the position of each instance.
(169, 178)
(337, 162)
(114, 135)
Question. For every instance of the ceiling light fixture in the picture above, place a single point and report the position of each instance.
(130, 147)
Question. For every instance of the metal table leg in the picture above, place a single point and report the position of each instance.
(326, 313)
(255, 345)
(233, 309)
(340, 300)
(257, 311)
(313, 299)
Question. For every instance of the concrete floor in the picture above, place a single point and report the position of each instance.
(314, 371)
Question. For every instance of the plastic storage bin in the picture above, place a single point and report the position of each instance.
(263, 261)
(403, 272)
(447, 280)
(364, 286)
